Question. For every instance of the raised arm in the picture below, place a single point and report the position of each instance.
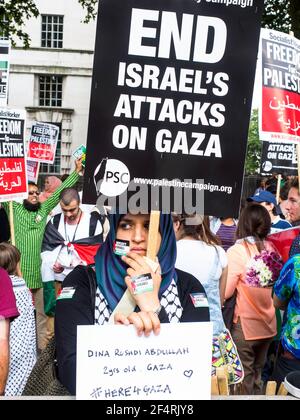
(236, 268)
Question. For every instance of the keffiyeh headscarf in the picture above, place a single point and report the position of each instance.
(53, 184)
(111, 270)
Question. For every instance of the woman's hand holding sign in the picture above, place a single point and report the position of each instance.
(143, 284)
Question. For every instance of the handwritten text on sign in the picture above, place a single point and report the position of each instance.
(114, 363)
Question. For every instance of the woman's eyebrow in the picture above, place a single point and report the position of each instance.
(127, 220)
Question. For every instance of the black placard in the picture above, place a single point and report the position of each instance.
(280, 158)
(174, 105)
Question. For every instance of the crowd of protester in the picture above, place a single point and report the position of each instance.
(219, 258)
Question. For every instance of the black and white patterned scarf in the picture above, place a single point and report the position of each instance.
(169, 301)
(22, 340)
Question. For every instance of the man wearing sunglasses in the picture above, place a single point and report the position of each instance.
(30, 218)
(32, 202)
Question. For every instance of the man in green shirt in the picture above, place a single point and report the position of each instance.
(30, 219)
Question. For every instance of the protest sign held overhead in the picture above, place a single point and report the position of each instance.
(171, 98)
(13, 183)
(4, 71)
(32, 170)
(43, 142)
(280, 158)
(80, 153)
(280, 104)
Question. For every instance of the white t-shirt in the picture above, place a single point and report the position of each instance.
(61, 254)
(206, 263)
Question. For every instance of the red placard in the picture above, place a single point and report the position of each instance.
(43, 142)
(13, 182)
(32, 170)
(280, 105)
(283, 240)
(281, 113)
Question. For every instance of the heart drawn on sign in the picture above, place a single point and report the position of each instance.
(188, 373)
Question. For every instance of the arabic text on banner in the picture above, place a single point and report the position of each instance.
(280, 104)
(43, 142)
(13, 183)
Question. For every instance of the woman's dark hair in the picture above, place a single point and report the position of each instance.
(197, 227)
(9, 257)
(254, 221)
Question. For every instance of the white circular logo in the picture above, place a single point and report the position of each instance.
(111, 177)
(267, 166)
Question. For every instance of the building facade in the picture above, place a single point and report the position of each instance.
(52, 79)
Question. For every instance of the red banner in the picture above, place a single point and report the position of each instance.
(281, 115)
(280, 106)
(283, 240)
(13, 182)
(43, 142)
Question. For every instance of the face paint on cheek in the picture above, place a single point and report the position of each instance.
(121, 247)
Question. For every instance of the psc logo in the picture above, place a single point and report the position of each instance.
(111, 177)
(267, 166)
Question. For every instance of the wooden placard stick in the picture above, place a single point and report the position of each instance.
(282, 390)
(271, 388)
(11, 223)
(222, 376)
(214, 386)
(278, 188)
(153, 234)
(127, 304)
(38, 171)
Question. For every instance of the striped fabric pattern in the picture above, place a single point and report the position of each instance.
(29, 233)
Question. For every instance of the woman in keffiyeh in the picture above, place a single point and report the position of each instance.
(111, 269)
(157, 293)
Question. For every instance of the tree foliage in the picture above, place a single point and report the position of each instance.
(91, 7)
(282, 15)
(14, 13)
(294, 12)
(254, 146)
(276, 15)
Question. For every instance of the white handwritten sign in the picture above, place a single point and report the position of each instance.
(114, 363)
